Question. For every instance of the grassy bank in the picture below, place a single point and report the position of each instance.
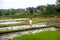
(23, 29)
(32, 28)
(45, 35)
(19, 16)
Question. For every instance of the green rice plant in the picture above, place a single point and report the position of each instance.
(45, 35)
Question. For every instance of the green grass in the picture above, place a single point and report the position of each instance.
(45, 35)
(24, 15)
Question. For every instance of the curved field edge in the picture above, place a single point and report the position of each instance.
(23, 29)
(45, 35)
(11, 31)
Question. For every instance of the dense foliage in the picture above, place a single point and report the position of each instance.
(48, 10)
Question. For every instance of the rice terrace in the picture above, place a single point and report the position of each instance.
(29, 19)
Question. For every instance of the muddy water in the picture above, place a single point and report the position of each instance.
(23, 26)
(11, 35)
(11, 21)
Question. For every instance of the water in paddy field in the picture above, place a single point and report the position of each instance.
(11, 35)
(11, 21)
(24, 26)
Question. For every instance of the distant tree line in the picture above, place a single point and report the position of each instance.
(41, 10)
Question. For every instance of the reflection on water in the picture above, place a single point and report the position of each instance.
(24, 26)
(11, 21)
(11, 35)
